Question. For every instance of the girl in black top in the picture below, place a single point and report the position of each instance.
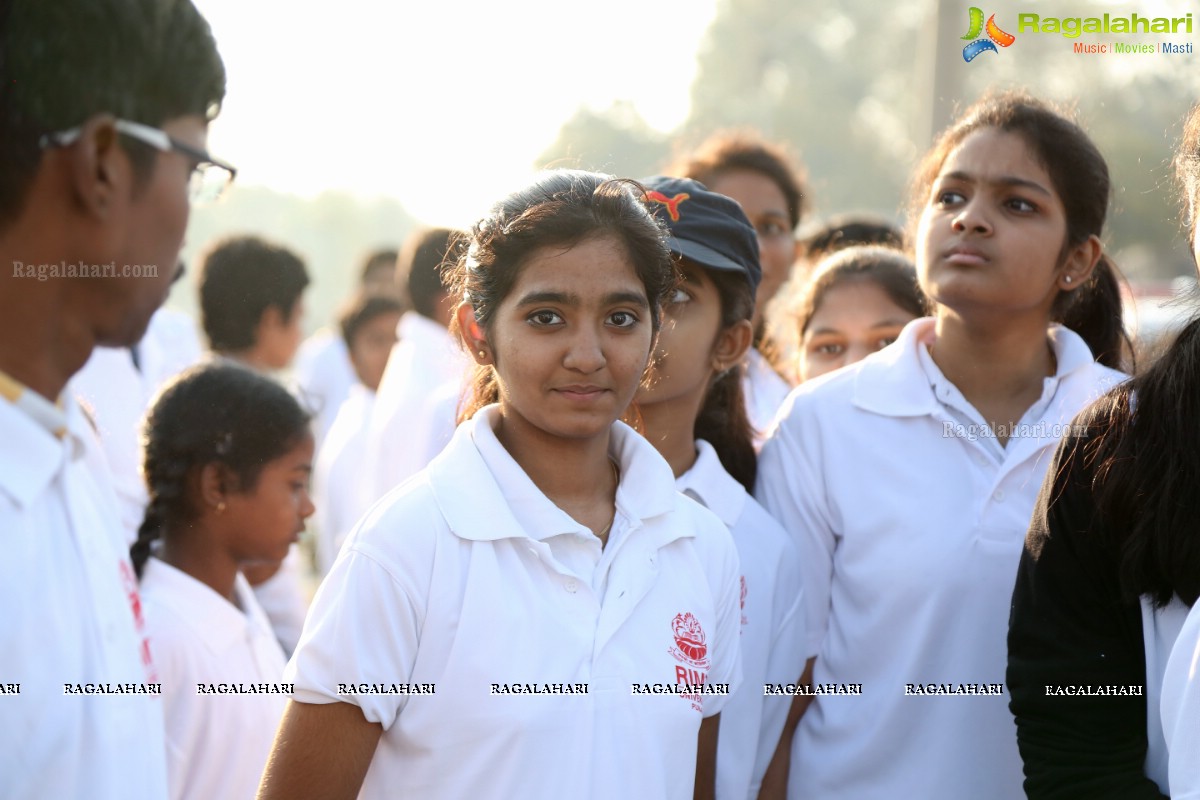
(1111, 561)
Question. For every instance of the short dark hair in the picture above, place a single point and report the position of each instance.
(421, 263)
(61, 62)
(377, 261)
(363, 308)
(726, 151)
(848, 230)
(241, 278)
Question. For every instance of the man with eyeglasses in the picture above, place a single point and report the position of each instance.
(104, 109)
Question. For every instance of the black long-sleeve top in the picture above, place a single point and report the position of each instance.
(1070, 625)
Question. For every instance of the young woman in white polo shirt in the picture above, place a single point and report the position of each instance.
(693, 412)
(1110, 567)
(538, 613)
(908, 478)
(227, 458)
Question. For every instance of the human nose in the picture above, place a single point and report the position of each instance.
(307, 509)
(971, 217)
(585, 353)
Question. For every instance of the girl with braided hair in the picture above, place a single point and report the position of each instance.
(227, 458)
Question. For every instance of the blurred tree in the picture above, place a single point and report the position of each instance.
(860, 90)
(616, 140)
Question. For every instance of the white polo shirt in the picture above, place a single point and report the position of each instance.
(467, 576)
(1181, 710)
(72, 618)
(910, 527)
(424, 361)
(772, 624)
(212, 658)
(323, 374)
(764, 391)
(338, 492)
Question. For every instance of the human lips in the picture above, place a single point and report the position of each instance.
(581, 391)
(965, 255)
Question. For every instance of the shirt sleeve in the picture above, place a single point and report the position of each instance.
(790, 491)
(363, 628)
(1070, 626)
(1181, 710)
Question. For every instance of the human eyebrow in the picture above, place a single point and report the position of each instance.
(626, 298)
(559, 298)
(889, 323)
(1003, 180)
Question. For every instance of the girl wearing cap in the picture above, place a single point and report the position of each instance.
(539, 612)
(770, 188)
(908, 478)
(694, 414)
(1110, 567)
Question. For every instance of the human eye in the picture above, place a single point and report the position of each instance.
(827, 349)
(948, 197)
(884, 342)
(544, 318)
(679, 295)
(1021, 205)
(771, 229)
(622, 319)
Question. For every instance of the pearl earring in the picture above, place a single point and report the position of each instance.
(1067, 279)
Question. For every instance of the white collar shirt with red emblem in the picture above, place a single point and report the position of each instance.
(469, 579)
(72, 623)
(910, 527)
(772, 621)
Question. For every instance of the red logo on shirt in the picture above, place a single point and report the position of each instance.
(689, 637)
(743, 601)
(129, 579)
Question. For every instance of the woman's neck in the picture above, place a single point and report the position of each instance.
(189, 548)
(671, 427)
(998, 367)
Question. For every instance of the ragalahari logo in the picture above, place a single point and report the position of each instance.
(995, 36)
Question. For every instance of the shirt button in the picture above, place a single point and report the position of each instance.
(571, 586)
(999, 495)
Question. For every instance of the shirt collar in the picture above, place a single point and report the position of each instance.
(485, 495)
(50, 416)
(709, 483)
(32, 454)
(213, 620)
(896, 381)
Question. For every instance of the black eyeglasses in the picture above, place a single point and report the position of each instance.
(209, 179)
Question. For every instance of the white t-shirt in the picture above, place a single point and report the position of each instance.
(423, 362)
(910, 527)
(72, 619)
(467, 576)
(1181, 710)
(217, 742)
(323, 375)
(772, 624)
(117, 394)
(338, 492)
(765, 392)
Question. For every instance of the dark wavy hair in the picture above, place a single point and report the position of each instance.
(1081, 180)
(1144, 442)
(560, 208)
(213, 413)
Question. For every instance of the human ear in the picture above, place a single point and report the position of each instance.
(1080, 262)
(98, 168)
(472, 334)
(731, 345)
(214, 486)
